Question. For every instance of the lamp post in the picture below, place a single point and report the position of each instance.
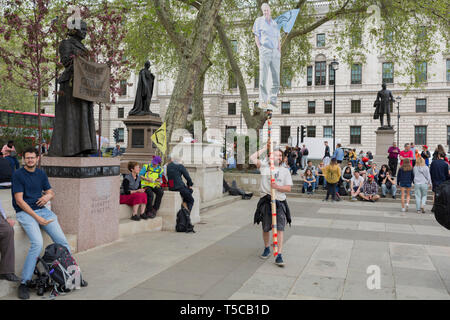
(335, 66)
(398, 99)
(54, 21)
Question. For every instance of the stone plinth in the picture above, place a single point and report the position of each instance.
(140, 147)
(384, 139)
(87, 197)
(249, 182)
(171, 204)
(208, 179)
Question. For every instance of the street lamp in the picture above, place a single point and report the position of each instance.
(335, 66)
(54, 21)
(398, 99)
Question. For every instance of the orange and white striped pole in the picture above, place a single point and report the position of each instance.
(272, 191)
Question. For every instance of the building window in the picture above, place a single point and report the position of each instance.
(309, 75)
(422, 33)
(355, 135)
(311, 131)
(285, 108)
(255, 105)
(388, 72)
(331, 73)
(448, 136)
(388, 36)
(448, 104)
(448, 69)
(311, 107)
(356, 73)
(45, 93)
(328, 132)
(231, 108)
(356, 106)
(121, 113)
(232, 83)
(123, 87)
(421, 71)
(121, 135)
(356, 39)
(285, 134)
(321, 70)
(190, 109)
(420, 135)
(234, 45)
(328, 107)
(321, 40)
(421, 105)
(286, 80)
(256, 85)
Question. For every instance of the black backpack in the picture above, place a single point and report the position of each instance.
(184, 221)
(441, 207)
(306, 152)
(61, 272)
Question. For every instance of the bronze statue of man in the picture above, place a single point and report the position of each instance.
(383, 106)
(74, 129)
(144, 92)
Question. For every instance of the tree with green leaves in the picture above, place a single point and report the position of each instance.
(396, 28)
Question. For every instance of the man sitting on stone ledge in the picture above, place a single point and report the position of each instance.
(31, 191)
(7, 248)
(175, 171)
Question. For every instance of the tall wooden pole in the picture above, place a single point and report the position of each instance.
(272, 191)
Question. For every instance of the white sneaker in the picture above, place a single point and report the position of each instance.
(403, 209)
(407, 206)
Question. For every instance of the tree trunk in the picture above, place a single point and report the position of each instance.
(198, 106)
(190, 69)
(256, 120)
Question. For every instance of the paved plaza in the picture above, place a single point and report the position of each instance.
(327, 252)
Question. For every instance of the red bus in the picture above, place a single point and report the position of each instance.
(18, 119)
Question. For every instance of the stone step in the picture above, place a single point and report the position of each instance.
(225, 200)
(128, 227)
(8, 288)
(347, 198)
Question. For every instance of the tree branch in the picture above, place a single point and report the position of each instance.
(169, 25)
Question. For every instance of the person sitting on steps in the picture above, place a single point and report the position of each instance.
(132, 193)
(175, 172)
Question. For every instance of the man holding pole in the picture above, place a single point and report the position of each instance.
(282, 183)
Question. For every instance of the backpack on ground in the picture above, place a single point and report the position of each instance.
(441, 207)
(61, 272)
(184, 221)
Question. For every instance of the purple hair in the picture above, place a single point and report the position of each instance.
(156, 160)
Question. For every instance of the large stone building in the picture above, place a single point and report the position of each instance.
(308, 100)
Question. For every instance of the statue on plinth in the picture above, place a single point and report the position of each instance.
(144, 92)
(383, 106)
(74, 128)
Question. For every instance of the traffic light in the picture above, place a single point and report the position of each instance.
(302, 133)
(116, 134)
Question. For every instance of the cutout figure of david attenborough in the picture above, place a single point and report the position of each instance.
(268, 40)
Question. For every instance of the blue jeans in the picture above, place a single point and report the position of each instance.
(294, 169)
(269, 60)
(392, 190)
(420, 190)
(305, 186)
(32, 229)
(14, 163)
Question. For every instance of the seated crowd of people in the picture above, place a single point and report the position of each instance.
(362, 179)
